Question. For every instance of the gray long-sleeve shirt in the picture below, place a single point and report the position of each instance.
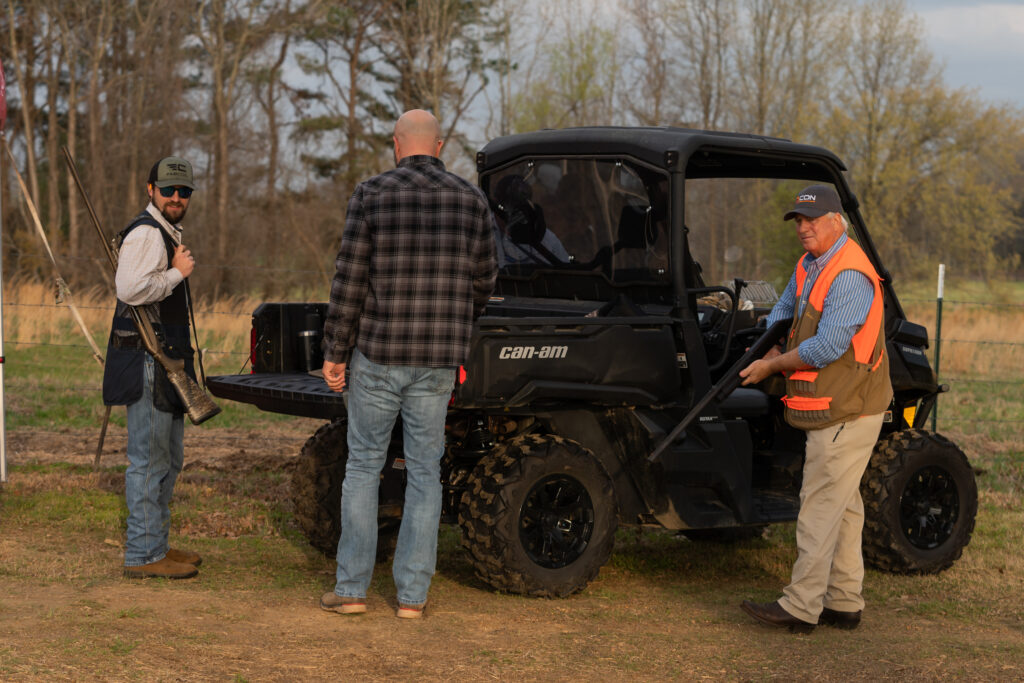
(143, 274)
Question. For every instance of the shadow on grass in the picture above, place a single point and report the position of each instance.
(661, 554)
(246, 515)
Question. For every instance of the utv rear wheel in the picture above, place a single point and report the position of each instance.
(316, 493)
(920, 500)
(539, 517)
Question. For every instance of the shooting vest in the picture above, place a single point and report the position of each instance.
(124, 367)
(858, 382)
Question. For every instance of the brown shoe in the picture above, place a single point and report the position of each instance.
(772, 614)
(184, 557)
(164, 569)
(843, 620)
(410, 611)
(331, 602)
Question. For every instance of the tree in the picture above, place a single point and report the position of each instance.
(434, 50)
(230, 32)
(704, 30)
(577, 75)
(655, 99)
(347, 112)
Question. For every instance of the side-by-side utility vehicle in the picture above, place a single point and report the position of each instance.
(636, 268)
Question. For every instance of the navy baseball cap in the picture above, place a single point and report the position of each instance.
(814, 201)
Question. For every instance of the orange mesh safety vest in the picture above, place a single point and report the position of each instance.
(857, 383)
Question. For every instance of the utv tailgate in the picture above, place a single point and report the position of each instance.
(290, 393)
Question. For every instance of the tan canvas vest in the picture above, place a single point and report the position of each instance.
(858, 382)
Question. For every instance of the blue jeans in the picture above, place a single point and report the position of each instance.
(377, 395)
(156, 453)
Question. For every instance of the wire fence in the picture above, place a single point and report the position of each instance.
(992, 304)
(944, 417)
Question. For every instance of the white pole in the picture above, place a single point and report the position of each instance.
(3, 414)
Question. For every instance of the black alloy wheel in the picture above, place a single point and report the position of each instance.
(556, 521)
(929, 508)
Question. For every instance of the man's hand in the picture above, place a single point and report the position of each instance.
(183, 260)
(334, 375)
(761, 369)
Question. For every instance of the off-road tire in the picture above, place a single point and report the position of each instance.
(316, 492)
(920, 501)
(538, 517)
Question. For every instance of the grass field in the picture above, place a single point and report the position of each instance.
(663, 608)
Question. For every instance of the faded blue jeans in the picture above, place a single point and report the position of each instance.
(377, 395)
(156, 453)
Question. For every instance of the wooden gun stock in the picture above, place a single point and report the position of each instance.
(198, 404)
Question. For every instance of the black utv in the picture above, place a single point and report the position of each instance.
(635, 268)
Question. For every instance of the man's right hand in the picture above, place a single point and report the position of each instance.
(334, 375)
(183, 260)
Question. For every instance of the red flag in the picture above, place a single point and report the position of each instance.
(3, 97)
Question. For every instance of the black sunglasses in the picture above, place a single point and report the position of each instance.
(183, 192)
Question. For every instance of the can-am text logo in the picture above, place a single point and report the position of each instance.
(517, 352)
(807, 198)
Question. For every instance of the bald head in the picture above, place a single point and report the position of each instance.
(417, 132)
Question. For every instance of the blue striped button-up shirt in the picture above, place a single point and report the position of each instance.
(845, 309)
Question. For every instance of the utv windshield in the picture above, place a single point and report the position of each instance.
(601, 215)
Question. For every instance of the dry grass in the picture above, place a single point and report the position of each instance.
(32, 316)
(977, 340)
(661, 609)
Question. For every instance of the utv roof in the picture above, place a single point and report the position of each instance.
(702, 153)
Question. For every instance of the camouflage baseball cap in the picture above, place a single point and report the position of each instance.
(171, 171)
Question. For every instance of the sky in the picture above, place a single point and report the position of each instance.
(981, 45)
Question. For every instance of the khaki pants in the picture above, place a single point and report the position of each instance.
(829, 569)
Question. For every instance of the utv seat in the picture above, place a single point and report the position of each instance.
(745, 402)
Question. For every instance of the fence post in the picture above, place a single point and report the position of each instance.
(938, 339)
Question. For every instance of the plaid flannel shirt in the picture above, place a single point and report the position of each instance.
(416, 268)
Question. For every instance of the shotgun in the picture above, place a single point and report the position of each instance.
(729, 381)
(198, 404)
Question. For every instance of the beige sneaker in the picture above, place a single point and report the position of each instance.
(410, 611)
(184, 556)
(162, 569)
(335, 603)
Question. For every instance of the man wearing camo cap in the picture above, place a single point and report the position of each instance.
(152, 269)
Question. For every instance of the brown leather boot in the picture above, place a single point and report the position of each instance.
(164, 569)
(184, 556)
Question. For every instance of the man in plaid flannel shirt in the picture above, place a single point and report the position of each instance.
(415, 270)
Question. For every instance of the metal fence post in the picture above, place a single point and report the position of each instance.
(938, 339)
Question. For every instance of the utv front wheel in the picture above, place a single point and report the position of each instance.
(539, 517)
(920, 500)
(316, 493)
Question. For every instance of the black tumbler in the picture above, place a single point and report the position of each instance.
(309, 339)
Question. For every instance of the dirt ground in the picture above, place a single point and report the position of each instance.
(664, 612)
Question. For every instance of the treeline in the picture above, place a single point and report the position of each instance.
(284, 105)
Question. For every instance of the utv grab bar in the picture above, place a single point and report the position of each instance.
(729, 381)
